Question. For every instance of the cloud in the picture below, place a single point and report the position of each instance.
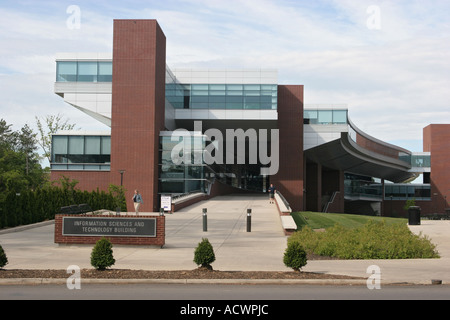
(394, 79)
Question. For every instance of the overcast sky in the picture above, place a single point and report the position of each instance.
(389, 61)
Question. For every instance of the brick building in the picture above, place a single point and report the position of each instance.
(257, 132)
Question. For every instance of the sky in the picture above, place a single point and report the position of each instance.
(388, 61)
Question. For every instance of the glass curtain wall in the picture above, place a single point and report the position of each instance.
(84, 71)
(71, 152)
(222, 96)
(188, 175)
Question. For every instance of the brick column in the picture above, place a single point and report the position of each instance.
(138, 102)
(289, 179)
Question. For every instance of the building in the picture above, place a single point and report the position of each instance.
(211, 132)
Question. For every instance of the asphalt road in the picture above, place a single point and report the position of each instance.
(198, 293)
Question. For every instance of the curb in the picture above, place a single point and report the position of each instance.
(350, 282)
(63, 281)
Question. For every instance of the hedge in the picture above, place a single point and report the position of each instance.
(42, 204)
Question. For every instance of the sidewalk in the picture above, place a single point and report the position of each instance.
(236, 249)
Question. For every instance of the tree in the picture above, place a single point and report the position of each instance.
(19, 162)
(204, 254)
(102, 254)
(295, 256)
(52, 125)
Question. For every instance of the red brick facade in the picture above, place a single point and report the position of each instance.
(289, 179)
(436, 139)
(138, 104)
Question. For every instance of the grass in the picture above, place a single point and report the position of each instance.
(320, 220)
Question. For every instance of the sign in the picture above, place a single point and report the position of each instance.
(166, 202)
(106, 226)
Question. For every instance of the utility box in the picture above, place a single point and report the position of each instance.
(414, 216)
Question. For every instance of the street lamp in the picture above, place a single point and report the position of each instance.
(121, 176)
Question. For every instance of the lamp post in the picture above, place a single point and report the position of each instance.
(121, 176)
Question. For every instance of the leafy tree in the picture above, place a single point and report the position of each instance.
(51, 125)
(19, 162)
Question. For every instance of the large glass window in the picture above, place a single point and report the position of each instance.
(66, 71)
(225, 96)
(340, 116)
(81, 152)
(325, 116)
(104, 72)
(87, 72)
(84, 71)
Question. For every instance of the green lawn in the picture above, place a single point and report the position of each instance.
(318, 220)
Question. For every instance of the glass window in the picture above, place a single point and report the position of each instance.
(310, 116)
(106, 145)
(105, 72)
(87, 71)
(339, 116)
(92, 145)
(325, 116)
(66, 71)
(76, 145)
(217, 87)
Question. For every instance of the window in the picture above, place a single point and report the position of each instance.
(81, 152)
(104, 72)
(84, 71)
(325, 117)
(339, 116)
(87, 72)
(66, 71)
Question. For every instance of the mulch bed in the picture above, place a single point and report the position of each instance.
(181, 274)
(199, 273)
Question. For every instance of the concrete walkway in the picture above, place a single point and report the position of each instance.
(236, 249)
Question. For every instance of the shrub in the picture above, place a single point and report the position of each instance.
(3, 258)
(204, 254)
(374, 240)
(102, 255)
(295, 256)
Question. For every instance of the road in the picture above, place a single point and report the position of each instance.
(202, 292)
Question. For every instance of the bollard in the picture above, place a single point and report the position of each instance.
(205, 220)
(249, 220)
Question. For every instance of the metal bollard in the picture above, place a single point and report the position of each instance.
(249, 220)
(205, 220)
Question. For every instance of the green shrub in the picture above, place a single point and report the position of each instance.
(295, 256)
(374, 240)
(102, 255)
(3, 258)
(204, 254)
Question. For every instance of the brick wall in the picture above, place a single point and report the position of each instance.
(159, 240)
(138, 107)
(289, 179)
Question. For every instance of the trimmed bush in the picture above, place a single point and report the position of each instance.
(102, 254)
(3, 258)
(374, 240)
(204, 254)
(295, 256)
